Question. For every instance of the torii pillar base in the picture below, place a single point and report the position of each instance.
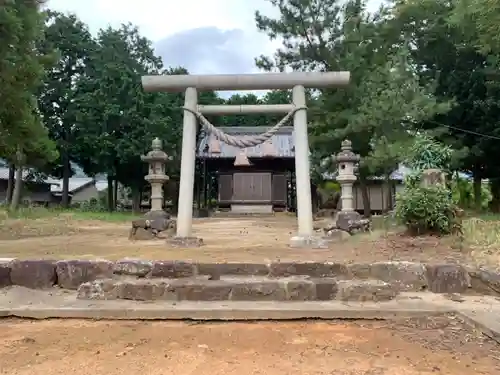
(185, 242)
(310, 242)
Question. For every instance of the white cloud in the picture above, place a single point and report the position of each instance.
(160, 18)
(166, 22)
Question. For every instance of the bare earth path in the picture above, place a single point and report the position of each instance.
(112, 348)
(232, 240)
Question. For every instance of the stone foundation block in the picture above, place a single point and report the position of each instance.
(143, 235)
(237, 269)
(326, 288)
(106, 289)
(259, 291)
(142, 290)
(409, 276)
(312, 242)
(5, 267)
(133, 267)
(313, 269)
(72, 273)
(34, 274)
(186, 242)
(365, 290)
(447, 278)
(485, 281)
(202, 290)
(300, 290)
(173, 269)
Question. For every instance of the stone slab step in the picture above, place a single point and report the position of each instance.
(224, 214)
(238, 289)
(231, 311)
(410, 276)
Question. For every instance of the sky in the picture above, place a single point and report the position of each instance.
(204, 36)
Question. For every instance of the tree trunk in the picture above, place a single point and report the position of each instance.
(495, 192)
(111, 204)
(388, 204)
(115, 194)
(136, 201)
(18, 188)
(65, 180)
(363, 186)
(477, 191)
(10, 184)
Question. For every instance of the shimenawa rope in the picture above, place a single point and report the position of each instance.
(249, 141)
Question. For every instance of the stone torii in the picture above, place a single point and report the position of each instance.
(297, 81)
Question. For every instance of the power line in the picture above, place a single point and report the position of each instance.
(467, 131)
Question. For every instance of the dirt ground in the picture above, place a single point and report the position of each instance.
(437, 346)
(228, 239)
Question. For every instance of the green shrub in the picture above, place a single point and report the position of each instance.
(463, 193)
(426, 210)
(92, 205)
(330, 187)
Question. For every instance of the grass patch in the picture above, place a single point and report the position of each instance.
(103, 216)
(34, 213)
(29, 222)
(482, 237)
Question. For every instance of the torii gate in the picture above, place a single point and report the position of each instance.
(297, 81)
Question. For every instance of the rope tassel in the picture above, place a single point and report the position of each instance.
(242, 159)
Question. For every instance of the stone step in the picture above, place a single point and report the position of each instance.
(229, 214)
(409, 276)
(238, 289)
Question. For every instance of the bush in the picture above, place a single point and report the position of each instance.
(92, 205)
(463, 193)
(427, 210)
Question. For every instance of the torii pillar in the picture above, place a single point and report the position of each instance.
(298, 82)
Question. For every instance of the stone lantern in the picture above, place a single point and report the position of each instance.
(156, 176)
(347, 162)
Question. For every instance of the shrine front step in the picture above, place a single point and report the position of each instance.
(408, 276)
(236, 214)
(238, 289)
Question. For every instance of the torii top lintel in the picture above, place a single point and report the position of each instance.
(262, 81)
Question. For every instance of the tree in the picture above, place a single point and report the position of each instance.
(483, 17)
(384, 97)
(21, 71)
(460, 73)
(116, 117)
(73, 42)
(271, 97)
